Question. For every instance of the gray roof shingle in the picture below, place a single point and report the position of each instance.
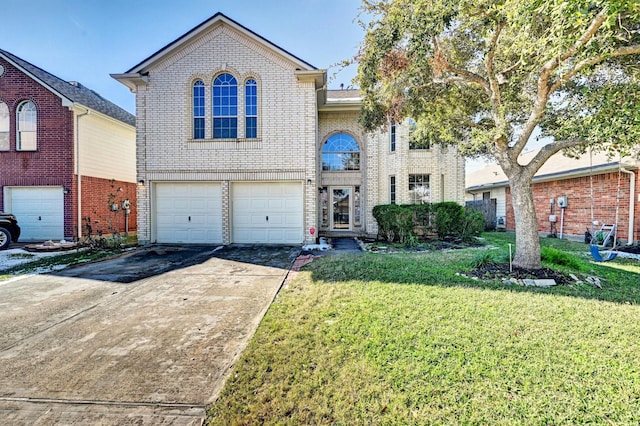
(76, 92)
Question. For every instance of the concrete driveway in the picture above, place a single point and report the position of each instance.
(82, 347)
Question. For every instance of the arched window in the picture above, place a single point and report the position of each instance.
(27, 127)
(225, 107)
(251, 108)
(198, 109)
(340, 152)
(4, 127)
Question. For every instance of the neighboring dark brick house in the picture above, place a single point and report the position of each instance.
(51, 133)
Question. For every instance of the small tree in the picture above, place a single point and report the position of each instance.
(484, 74)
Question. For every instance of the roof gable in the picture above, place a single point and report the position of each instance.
(558, 166)
(206, 26)
(71, 92)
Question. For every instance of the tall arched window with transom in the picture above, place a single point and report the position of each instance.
(27, 129)
(225, 107)
(4, 127)
(341, 152)
(198, 109)
(251, 109)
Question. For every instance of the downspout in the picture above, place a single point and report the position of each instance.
(78, 176)
(632, 193)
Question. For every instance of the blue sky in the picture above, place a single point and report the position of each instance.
(86, 40)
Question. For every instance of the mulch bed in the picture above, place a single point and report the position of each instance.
(629, 249)
(490, 272)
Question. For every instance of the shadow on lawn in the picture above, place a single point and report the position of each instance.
(445, 269)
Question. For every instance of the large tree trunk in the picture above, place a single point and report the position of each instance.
(527, 239)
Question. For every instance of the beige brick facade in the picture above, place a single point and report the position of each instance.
(291, 131)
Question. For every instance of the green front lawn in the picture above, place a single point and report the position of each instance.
(401, 339)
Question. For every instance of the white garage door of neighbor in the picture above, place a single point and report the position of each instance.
(188, 212)
(40, 212)
(267, 212)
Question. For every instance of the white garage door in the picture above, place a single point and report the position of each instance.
(40, 212)
(188, 212)
(267, 212)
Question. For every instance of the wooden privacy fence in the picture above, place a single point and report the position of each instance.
(488, 210)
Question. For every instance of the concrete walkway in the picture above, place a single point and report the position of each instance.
(78, 351)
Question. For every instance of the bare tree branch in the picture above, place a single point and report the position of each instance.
(545, 89)
(494, 86)
(441, 64)
(549, 150)
(624, 51)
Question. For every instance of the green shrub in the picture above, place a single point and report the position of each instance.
(483, 259)
(473, 224)
(421, 214)
(559, 257)
(394, 221)
(405, 223)
(449, 219)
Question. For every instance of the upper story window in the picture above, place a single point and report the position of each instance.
(4, 127)
(225, 107)
(27, 129)
(414, 141)
(340, 152)
(251, 109)
(392, 136)
(198, 109)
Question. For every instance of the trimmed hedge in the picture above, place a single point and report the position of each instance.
(446, 220)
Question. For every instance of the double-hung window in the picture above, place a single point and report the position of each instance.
(27, 129)
(392, 136)
(4, 127)
(419, 189)
(198, 110)
(225, 107)
(392, 189)
(251, 109)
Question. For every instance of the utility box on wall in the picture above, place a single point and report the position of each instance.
(562, 202)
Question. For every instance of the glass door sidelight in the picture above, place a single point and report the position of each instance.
(341, 208)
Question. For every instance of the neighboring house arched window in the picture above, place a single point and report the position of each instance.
(4, 127)
(198, 109)
(341, 152)
(27, 129)
(251, 108)
(225, 107)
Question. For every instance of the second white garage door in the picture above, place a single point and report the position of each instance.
(188, 212)
(267, 212)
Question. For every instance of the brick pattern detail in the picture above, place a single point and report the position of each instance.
(577, 215)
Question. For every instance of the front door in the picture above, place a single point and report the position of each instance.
(341, 208)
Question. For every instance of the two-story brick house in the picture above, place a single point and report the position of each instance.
(67, 155)
(239, 141)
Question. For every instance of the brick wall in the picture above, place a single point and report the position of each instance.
(97, 197)
(283, 151)
(52, 163)
(577, 215)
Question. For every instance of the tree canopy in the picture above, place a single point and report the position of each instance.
(484, 74)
